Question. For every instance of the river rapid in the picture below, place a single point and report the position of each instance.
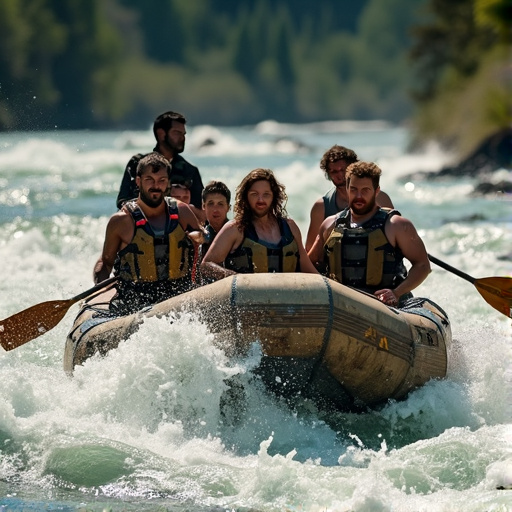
(141, 430)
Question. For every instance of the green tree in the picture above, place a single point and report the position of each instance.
(31, 37)
(161, 27)
(85, 71)
(462, 87)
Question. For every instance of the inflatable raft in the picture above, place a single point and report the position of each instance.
(340, 347)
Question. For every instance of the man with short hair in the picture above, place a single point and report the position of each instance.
(216, 205)
(334, 163)
(148, 242)
(169, 131)
(364, 244)
(261, 238)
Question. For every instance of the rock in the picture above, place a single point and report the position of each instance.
(485, 187)
(476, 217)
(494, 153)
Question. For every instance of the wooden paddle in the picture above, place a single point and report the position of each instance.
(30, 323)
(496, 291)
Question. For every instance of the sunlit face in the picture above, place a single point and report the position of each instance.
(260, 197)
(216, 209)
(180, 192)
(152, 186)
(175, 137)
(336, 173)
(361, 195)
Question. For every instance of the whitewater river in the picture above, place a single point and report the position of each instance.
(141, 430)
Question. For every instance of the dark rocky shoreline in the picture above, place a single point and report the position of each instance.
(492, 154)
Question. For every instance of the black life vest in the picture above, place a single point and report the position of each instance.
(362, 256)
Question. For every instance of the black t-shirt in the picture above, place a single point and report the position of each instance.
(180, 167)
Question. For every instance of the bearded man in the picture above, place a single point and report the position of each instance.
(148, 243)
(364, 245)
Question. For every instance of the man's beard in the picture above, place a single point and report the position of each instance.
(368, 207)
(172, 147)
(149, 201)
(259, 214)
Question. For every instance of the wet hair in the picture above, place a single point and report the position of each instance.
(181, 181)
(242, 210)
(216, 187)
(364, 170)
(154, 160)
(165, 121)
(335, 154)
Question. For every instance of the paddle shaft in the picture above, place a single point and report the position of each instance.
(96, 288)
(496, 291)
(454, 270)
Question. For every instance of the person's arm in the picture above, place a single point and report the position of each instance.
(402, 234)
(384, 200)
(304, 261)
(316, 253)
(190, 224)
(316, 219)
(199, 213)
(117, 228)
(188, 220)
(227, 239)
(128, 189)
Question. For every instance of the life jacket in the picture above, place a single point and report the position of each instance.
(253, 256)
(362, 257)
(149, 258)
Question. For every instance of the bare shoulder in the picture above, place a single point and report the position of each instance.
(294, 228)
(186, 215)
(399, 222)
(318, 205)
(227, 240)
(230, 226)
(120, 219)
(401, 229)
(230, 231)
(384, 200)
(328, 222)
(182, 207)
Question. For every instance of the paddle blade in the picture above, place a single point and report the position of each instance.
(497, 291)
(30, 323)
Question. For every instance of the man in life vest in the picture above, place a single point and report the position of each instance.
(148, 242)
(364, 245)
(334, 164)
(261, 238)
(169, 131)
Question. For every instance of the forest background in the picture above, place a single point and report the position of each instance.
(442, 66)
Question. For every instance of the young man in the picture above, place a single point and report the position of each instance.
(216, 205)
(334, 164)
(169, 130)
(147, 242)
(364, 245)
(260, 238)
